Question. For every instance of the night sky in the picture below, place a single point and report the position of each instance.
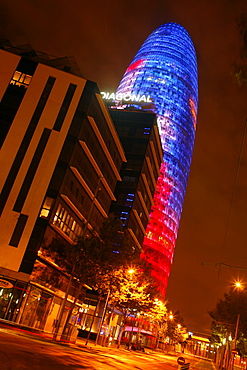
(104, 36)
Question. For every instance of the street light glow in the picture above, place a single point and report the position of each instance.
(238, 284)
(171, 316)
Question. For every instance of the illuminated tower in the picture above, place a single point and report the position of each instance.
(165, 68)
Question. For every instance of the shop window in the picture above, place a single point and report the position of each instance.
(5, 297)
(36, 308)
(11, 298)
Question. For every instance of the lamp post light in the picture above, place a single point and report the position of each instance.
(171, 317)
(236, 332)
(238, 285)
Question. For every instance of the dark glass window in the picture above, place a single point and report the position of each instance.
(19, 228)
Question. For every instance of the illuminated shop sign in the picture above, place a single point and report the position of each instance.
(5, 284)
(126, 97)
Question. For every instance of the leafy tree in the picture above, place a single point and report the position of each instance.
(131, 291)
(240, 69)
(159, 316)
(102, 261)
(129, 287)
(224, 318)
(175, 328)
(94, 259)
(158, 311)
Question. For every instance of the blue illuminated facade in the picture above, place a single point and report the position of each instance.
(165, 68)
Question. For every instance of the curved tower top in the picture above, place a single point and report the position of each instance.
(165, 65)
(165, 68)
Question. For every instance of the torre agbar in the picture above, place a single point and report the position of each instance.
(165, 69)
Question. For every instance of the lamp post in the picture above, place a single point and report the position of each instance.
(236, 332)
(102, 318)
(131, 271)
(62, 308)
(239, 286)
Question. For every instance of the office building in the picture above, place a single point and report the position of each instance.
(60, 160)
(140, 138)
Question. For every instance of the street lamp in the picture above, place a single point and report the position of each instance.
(171, 317)
(238, 285)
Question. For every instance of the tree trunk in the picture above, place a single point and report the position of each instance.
(121, 333)
(62, 308)
(63, 336)
(102, 318)
(109, 326)
(132, 329)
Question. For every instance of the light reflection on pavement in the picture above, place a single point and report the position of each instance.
(19, 350)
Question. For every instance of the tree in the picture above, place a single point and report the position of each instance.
(131, 291)
(240, 68)
(94, 259)
(159, 315)
(224, 318)
(176, 328)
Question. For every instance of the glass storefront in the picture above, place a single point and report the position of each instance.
(10, 298)
(23, 303)
(35, 308)
(34, 305)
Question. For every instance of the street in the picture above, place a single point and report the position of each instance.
(21, 350)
